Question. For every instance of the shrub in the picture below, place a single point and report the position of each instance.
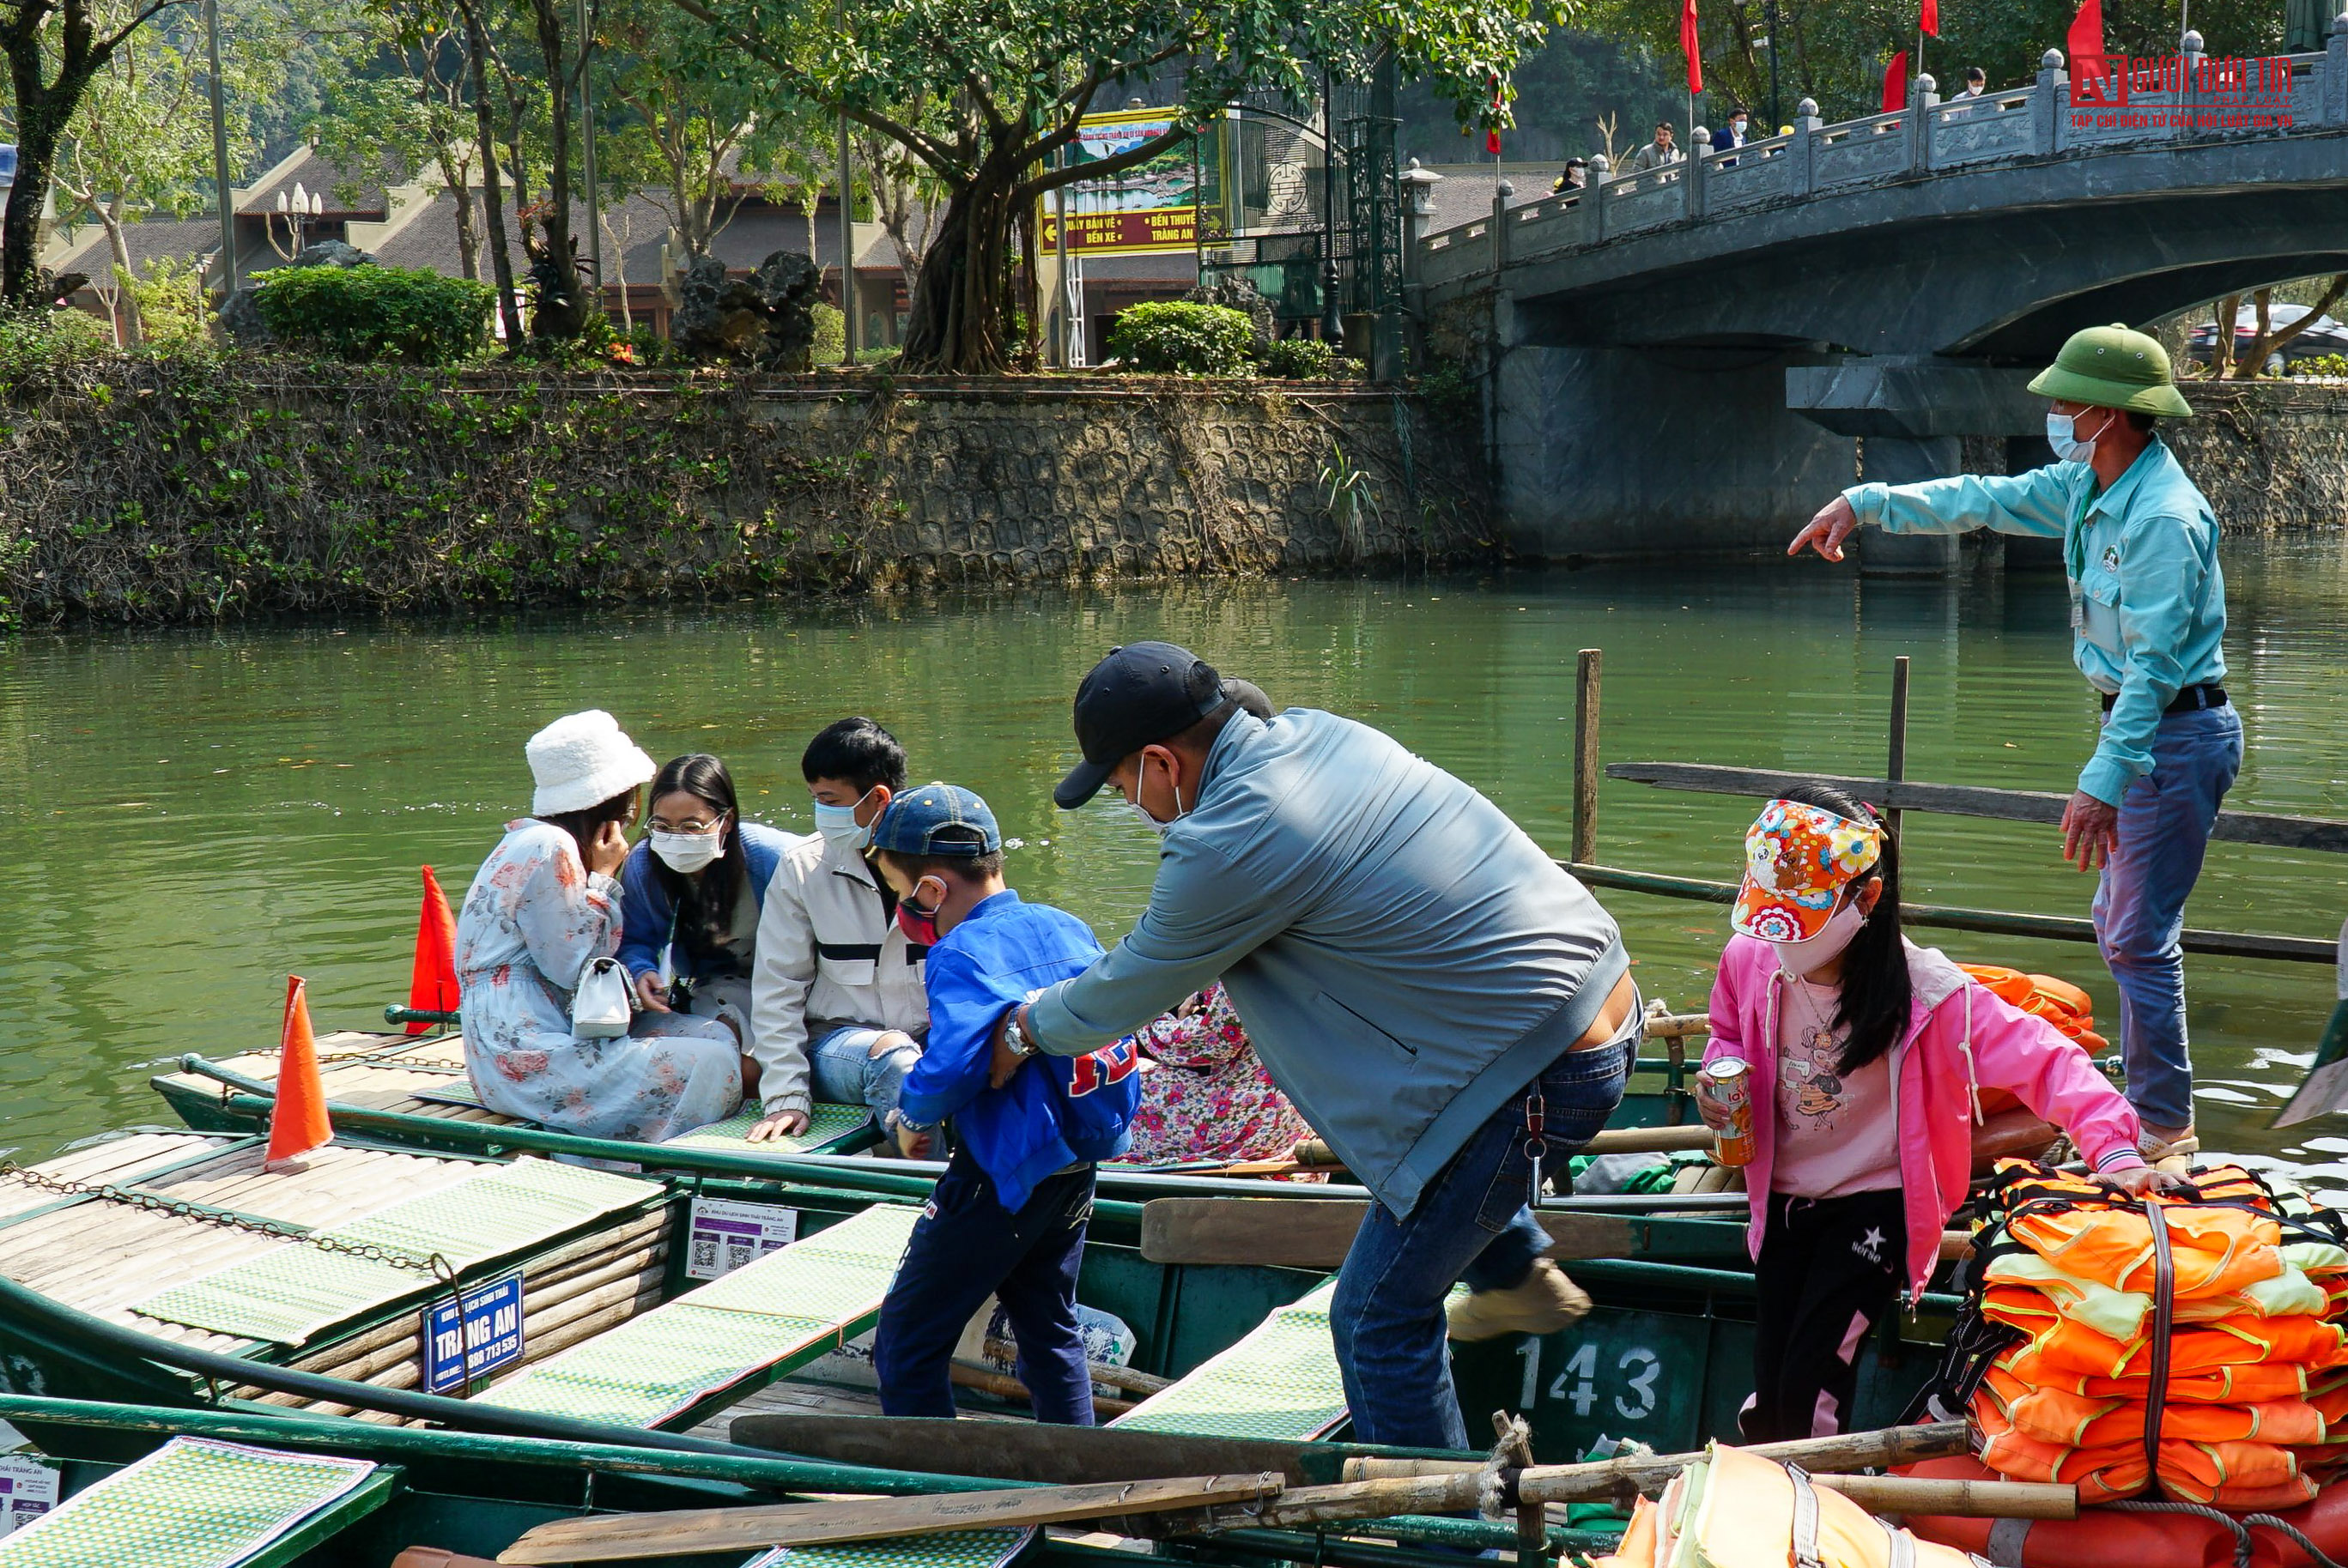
(173, 310)
(371, 312)
(830, 336)
(35, 343)
(1174, 337)
(2321, 365)
(1299, 359)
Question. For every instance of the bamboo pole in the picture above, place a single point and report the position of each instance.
(1003, 1386)
(1588, 670)
(1896, 763)
(1123, 1378)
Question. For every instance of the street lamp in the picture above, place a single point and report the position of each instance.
(297, 214)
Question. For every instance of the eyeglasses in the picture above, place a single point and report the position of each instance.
(709, 826)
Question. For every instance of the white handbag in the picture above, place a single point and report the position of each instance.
(599, 1009)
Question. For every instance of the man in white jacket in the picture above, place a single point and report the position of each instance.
(837, 1011)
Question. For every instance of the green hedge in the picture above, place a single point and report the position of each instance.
(1175, 337)
(370, 313)
(1301, 359)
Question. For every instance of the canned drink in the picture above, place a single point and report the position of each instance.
(1730, 1081)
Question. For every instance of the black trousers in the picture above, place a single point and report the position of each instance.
(1829, 1271)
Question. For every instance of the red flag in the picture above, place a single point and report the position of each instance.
(297, 1123)
(1492, 131)
(1895, 82)
(1688, 48)
(432, 983)
(1928, 18)
(2085, 43)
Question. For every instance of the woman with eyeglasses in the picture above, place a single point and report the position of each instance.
(541, 919)
(690, 897)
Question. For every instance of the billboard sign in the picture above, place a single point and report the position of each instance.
(1153, 206)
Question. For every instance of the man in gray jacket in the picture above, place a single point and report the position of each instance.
(1445, 1005)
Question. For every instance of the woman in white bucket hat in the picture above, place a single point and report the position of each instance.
(542, 908)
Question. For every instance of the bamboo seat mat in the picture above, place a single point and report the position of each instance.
(292, 1289)
(101, 1256)
(828, 1125)
(1280, 1381)
(754, 1324)
(197, 1504)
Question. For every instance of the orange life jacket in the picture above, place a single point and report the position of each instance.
(2059, 1002)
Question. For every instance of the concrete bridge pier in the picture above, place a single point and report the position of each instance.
(1604, 451)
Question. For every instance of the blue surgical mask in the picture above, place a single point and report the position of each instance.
(2062, 434)
(839, 826)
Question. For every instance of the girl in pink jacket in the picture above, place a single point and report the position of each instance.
(1867, 1056)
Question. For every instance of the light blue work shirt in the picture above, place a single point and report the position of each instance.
(2147, 600)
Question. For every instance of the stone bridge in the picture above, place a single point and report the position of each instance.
(1696, 357)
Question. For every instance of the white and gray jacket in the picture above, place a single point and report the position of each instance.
(828, 954)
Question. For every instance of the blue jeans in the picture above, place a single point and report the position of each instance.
(1471, 1225)
(965, 1246)
(843, 1070)
(2165, 822)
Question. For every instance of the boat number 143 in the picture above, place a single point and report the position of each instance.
(1634, 1369)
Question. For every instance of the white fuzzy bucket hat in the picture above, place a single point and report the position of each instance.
(583, 759)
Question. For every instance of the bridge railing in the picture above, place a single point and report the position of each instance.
(1933, 136)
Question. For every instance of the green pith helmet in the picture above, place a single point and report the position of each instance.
(2112, 367)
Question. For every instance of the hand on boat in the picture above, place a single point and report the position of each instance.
(608, 851)
(2091, 830)
(1826, 532)
(651, 993)
(2139, 1180)
(781, 1125)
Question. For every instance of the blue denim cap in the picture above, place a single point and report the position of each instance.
(911, 824)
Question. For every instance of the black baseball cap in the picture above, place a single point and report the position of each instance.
(1138, 696)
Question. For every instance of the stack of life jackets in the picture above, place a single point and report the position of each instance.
(2242, 1403)
(1732, 1509)
(2059, 1002)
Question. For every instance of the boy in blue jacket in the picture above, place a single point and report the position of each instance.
(1008, 1217)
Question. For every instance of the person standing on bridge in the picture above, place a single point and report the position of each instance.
(2147, 617)
(1451, 1010)
(1656, 153)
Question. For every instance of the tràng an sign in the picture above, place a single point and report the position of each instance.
(475, 1336)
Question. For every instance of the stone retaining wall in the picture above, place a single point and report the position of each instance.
(174, 491)
(2272, 455)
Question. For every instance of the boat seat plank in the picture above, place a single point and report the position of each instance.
(199, 1503)
(735, 1333)
(335, 1182)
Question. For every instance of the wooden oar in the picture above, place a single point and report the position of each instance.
(1019, 1450)
(611, 1538)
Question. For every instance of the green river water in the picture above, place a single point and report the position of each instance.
(198, 814)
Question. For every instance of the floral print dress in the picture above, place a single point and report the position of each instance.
(532, 920)
(1208, 1098)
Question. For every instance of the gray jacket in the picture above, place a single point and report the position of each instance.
(1403, 957)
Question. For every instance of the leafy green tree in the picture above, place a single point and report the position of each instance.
(1002, 87)
(140, 143)
(56, 50)
(400, 100)
(691, 124)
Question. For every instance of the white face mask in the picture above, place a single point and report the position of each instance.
(2062, 434)
(689, 852)
(1801, 959)
(839, 827)
(1134, 805)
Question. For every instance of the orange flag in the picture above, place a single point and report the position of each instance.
(299, 1124)
(432, 984)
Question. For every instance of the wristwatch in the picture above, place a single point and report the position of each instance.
(1016, 1037)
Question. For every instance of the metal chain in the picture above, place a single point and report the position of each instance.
(367, 1252)
(419, 1063)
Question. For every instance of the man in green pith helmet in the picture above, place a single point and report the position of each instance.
(2147, 615)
